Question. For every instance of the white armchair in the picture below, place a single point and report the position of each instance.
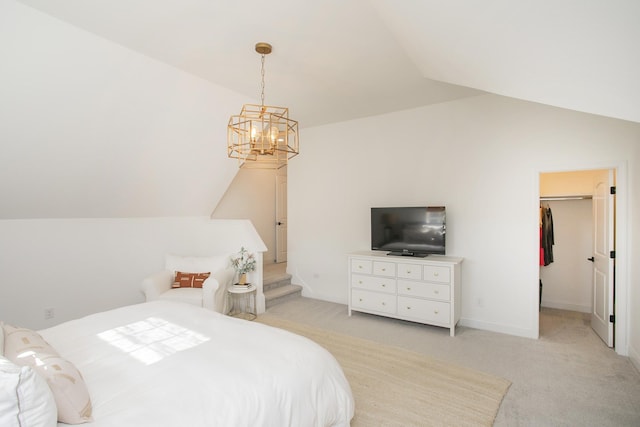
(212, 294)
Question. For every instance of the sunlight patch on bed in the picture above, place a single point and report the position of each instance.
(152, 339)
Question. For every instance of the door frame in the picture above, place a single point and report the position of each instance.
(622, 280)
(281, 231)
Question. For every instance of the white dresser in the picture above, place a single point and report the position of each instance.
(424, 290)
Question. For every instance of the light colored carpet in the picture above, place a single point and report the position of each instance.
(397, 387)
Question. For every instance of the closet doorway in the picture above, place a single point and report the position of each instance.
(577, 273)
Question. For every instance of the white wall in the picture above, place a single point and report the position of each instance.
(252, 196)
(481, 157)
(82, 266)
(89, 128)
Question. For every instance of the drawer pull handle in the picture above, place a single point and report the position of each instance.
(408, 271)
(408, 308)
(435, 274)
(384, 269)
(384, 303)
(359, 266)
(436, 292)
(384, 286)
(360, 299)
(408, 289)
(436, 311)
(360, 282)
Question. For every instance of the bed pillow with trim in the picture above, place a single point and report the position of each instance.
(25, 397)
(25, 347)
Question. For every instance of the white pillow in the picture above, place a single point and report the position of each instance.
(194, 264)
(25, 347)
(25, 397)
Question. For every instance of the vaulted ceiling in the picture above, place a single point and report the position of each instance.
(119, 108)
(335, 60)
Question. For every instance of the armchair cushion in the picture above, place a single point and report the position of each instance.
(189, 295)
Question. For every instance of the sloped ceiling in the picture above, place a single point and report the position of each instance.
(69, 150)
(335, 60)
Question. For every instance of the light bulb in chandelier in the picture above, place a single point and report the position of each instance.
(273, 133)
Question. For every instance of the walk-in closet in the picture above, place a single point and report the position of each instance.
(571, 207)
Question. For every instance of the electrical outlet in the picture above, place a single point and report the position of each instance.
(49, 313)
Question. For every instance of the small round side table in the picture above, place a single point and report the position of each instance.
(241, 302)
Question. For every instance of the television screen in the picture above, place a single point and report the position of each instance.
(416, 231)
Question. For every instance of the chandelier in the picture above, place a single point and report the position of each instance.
(262, 136)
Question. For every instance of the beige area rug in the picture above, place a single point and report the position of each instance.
(396, 387)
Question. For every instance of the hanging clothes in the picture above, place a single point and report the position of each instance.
(546, 236)
(541, 248)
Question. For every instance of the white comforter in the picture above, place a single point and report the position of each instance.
(171, 364)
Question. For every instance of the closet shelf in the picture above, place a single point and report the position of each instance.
(583, 197)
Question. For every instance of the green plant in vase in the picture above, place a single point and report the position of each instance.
(244, 262)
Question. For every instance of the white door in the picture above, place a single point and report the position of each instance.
(603, 261)
(281, 217)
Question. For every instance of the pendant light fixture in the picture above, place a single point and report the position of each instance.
(262, 136)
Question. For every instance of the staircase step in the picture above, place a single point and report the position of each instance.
(276, 285)
(281, 293)
(276, 282)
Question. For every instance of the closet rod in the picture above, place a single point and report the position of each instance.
(566, 198)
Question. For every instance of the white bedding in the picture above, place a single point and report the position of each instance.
(169, 364)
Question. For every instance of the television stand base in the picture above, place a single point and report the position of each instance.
(413, 254)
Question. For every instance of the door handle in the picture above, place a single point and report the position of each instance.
(591, 259)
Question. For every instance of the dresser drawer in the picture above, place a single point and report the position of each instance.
(409, 271)
(434, 273)
(361, 266)
(424, 310)
(424, 290)
(381, 268)
(373, 283)
(374, 301)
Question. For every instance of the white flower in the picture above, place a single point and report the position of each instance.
(244, 262)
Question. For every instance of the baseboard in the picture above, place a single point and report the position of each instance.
(566, 306)
(500, 328)
(634, 356)
(308, 294)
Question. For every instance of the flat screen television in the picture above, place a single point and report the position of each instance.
(409, 231)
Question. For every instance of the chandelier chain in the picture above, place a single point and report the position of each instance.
(262, 75)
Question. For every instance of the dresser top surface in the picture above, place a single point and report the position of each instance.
(382, 255)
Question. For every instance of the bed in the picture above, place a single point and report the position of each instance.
(165, 363)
